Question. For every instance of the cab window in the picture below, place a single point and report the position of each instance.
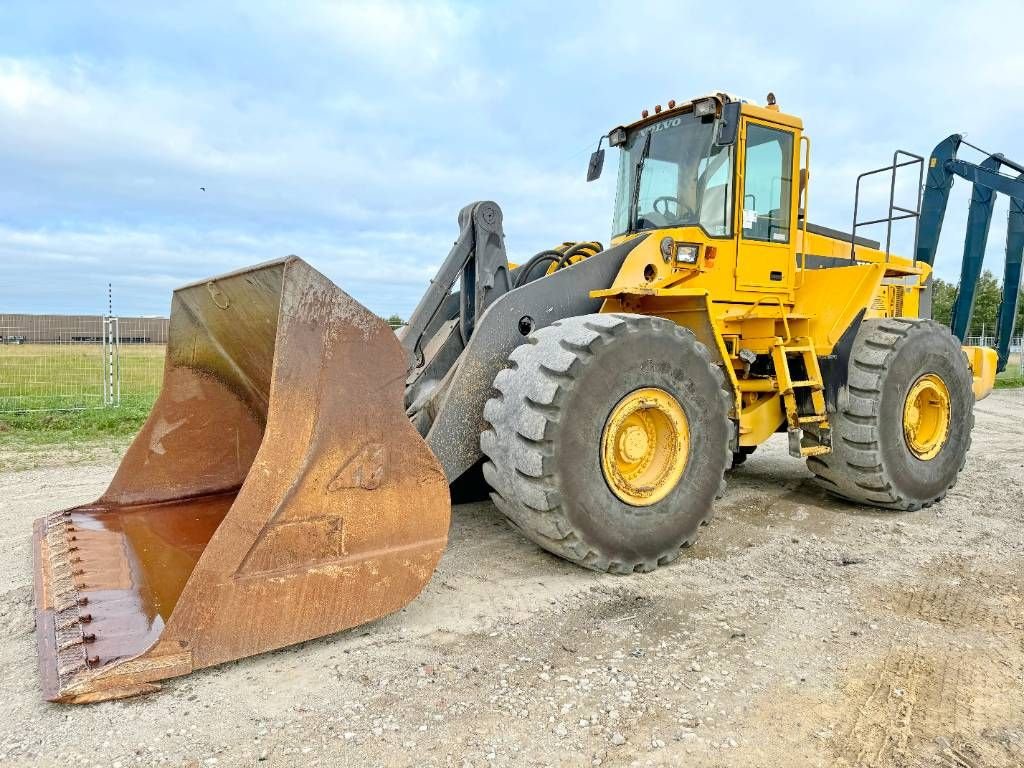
(672, 174)
(767, 184)
(715, 189)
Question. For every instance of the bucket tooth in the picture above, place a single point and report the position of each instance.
(276, 493)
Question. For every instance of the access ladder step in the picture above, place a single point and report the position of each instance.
(815, 419)
(822, 443)
(815, 450)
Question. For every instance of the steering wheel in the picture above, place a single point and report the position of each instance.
(678, 215)
(666, 199)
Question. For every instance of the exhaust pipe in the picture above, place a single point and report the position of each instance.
(277, 493)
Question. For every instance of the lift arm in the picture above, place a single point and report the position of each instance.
(943, 167)
(979, 220)
(1011, 277)
(478, 260)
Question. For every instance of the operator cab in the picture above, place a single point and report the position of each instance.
(678, 169)
(721, 168)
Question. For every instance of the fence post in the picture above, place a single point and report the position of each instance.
(117, 361)
(104, 359)
(112, 378)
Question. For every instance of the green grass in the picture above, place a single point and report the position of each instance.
(1012, 376)
(67, 426)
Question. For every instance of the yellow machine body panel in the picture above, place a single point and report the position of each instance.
(983, 369)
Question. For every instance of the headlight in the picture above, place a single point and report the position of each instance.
(686, 254)
(705, 107)
(617, 136)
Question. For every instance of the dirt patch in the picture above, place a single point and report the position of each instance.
(955, 594)
(951, 672)
(18, 456)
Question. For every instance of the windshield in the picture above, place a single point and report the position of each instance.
(685, 179)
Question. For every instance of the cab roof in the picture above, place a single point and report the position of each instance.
(770, 113)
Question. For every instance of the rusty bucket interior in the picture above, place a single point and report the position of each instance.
(276, 493)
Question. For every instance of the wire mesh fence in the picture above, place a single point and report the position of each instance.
(53, 362)
(141, 343)
(75, 362)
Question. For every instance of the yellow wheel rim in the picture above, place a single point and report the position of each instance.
(644, 446)
(926, 416)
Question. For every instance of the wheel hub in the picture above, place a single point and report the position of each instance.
(644, 446)
(926, 413)
(633, 444)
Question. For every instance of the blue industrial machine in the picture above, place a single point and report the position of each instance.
(987, 178)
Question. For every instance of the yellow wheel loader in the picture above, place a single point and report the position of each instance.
(294, 476)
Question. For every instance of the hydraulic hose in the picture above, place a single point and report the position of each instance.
(560, 256)
(543, 257)
(588, 249)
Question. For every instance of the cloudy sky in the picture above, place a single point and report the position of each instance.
(351, 134)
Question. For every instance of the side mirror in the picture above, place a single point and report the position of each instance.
(728, 124)
(596, 165)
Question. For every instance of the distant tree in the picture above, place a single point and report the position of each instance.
(395, 321)
(943, 295)
(986, 304)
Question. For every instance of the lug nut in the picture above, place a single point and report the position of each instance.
(85, 618)
(83, 600)
(92, 661)
(88, 638)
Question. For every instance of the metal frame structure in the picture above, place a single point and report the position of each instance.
(943, 167)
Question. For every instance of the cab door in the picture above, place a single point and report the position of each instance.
(766, 256)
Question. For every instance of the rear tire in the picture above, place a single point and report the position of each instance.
(546, 437)
(872, 460)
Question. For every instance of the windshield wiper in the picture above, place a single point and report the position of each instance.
(634, 204)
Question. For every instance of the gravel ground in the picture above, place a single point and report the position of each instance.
(797, 631)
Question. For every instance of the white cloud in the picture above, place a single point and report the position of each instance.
(415, 38)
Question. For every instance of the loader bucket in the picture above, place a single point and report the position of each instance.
(276, 493)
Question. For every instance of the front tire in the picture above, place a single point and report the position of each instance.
(903, 426)
(608, 440)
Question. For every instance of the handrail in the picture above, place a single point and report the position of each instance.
(807, 206)
(907, 213)
(782, 314)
